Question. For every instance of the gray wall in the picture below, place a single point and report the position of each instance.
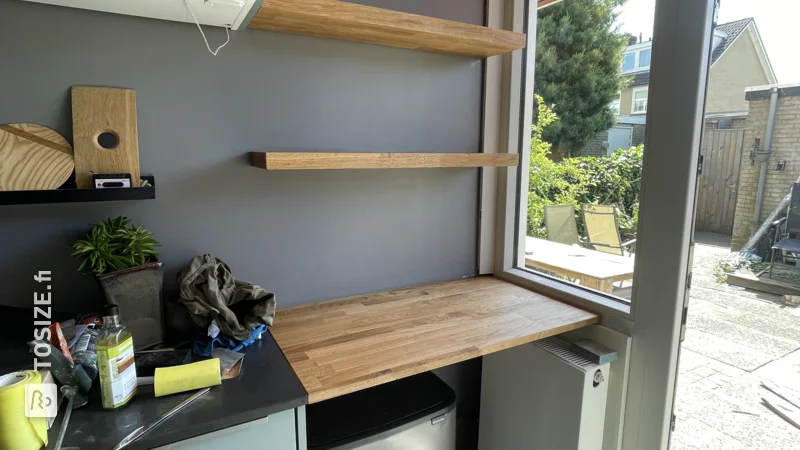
(307, 236)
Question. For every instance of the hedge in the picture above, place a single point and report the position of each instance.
(614, 179)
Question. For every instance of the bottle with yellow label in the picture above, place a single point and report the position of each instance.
(115, 360)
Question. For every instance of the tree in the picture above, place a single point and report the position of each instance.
(578, 58)
(614, 179)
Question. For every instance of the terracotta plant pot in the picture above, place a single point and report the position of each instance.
(137, 291)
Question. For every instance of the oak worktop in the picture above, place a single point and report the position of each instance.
(342, 346)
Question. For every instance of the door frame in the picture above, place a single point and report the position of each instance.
(676, 103)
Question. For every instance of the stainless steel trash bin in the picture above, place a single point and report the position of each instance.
(414, 413)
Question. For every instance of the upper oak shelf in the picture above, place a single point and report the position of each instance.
(337, 19)
(358, 160)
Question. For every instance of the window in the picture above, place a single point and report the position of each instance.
(614, 105)
(652, 318)
(644, 59)
(628, 62)
(636, 60)
(639, 101)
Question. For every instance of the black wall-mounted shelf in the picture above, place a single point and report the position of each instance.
(79, 195)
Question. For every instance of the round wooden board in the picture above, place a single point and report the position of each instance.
(33, 157)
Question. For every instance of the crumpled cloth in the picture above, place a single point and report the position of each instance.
(203, 345)
(209, 291)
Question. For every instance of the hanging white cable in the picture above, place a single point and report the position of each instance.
(197, 22)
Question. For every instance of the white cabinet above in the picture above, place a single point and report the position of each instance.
(209, 12)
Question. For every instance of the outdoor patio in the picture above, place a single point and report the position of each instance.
(735, 339)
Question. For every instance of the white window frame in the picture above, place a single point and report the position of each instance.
(636, 50)
(616, 104)
(679, 73)
(633, 100)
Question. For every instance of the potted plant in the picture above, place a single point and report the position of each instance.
(124, 260)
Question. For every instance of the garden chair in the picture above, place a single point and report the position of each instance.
(602, 229)
(559, 221)
(786, 228)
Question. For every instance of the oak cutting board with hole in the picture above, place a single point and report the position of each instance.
(105, 137)
(33, 157)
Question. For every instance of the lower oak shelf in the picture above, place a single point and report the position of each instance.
(359, 160)
(79, 195)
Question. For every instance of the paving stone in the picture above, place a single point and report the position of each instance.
(688, 377)
(735, 339)
(758, 330)
(725, 351)
(720, 379)
(707, 384)
(712, 319)
(783, 372)
(692, 434)
(735, 410)
(690, 360)
(730, 292)
(732, 371)
(704, 371)
(749, 302)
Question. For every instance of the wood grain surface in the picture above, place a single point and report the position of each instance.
(33, 157)
(357, 160)
(96, 110)
(346, 345)
(597, 270)
(352, 22)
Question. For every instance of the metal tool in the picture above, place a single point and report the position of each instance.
(76, 400)
(141, 431)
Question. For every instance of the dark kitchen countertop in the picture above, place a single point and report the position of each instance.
(266, 385)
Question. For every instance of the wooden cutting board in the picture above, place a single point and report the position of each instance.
(105, 133)
(33, 157)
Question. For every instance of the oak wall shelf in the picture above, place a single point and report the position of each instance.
(356, 160)
(338, 19)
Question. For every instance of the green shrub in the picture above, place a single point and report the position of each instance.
(614, 179)
(734, 262)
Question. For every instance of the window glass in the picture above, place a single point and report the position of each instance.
(640, 101)
(644, 58)
(628, 62)
(581, 202)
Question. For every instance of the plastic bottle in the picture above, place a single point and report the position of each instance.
(115, 360)
(84, 354)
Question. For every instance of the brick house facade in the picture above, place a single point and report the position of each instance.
(599, 146)
(785, 147)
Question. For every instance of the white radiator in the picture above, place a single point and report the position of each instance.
(542, 396)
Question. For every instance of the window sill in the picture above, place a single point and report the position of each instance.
(569, 294)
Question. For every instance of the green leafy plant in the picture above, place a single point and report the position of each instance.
(734, 262)
(614, 179)
(115, 245)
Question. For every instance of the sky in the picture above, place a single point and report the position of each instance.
(777, 22)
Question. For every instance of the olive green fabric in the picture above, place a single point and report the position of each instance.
(559, 221)
(601, 228)
(210, 291)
